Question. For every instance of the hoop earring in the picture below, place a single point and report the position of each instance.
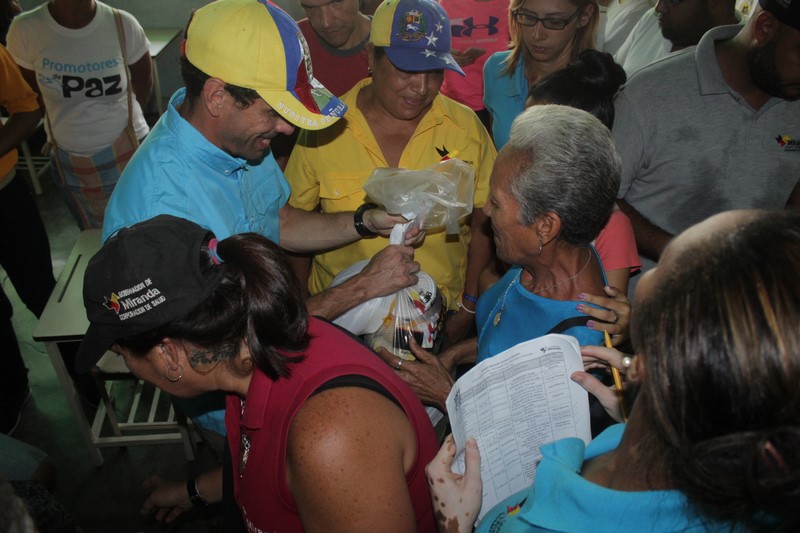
(169, 378)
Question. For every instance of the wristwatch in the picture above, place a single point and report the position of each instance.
(194, 495)
(358, 220)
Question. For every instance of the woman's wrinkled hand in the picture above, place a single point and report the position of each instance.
(613, 315)
(456, 498)
(427, 376)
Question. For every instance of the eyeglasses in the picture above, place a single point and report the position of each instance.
(551, 23)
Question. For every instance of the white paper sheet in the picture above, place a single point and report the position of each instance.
(512, 404)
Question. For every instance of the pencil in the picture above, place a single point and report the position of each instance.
(617, 382)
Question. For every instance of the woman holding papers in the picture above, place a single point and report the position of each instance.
(322, 434)
(712, 442)
(551, 191)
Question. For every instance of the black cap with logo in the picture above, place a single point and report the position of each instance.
(143, 277)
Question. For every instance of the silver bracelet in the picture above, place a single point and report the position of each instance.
(194, 495)
(470, 311)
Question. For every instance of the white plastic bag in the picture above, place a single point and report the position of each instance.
(366, 317)
(429, 198)
(434, 197)
(415, 310)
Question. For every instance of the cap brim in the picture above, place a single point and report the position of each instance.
(416, 59)
(291, 107)
(92, 348)
(783, 12)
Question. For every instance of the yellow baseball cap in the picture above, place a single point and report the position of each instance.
(254, 44)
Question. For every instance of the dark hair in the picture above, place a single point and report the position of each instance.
(589, 83)
(258, 301)
(14, 516)
(47, 514)
(194, 79)
(8, 10)
(720, 343)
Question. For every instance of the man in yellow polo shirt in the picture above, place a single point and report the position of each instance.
(397, 118)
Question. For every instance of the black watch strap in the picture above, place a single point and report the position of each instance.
(358, 220)
(194, 495)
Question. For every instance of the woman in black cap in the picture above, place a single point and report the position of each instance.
(322, 433)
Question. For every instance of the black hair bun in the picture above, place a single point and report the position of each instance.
(599, 70)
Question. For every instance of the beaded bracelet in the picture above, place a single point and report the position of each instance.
(470, 298)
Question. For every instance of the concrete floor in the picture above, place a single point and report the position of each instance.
(107, 498)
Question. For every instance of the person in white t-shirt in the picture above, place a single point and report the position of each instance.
(621, 17)
(670, 26)
(75, 53)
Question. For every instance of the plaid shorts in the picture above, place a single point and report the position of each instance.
(87, 181)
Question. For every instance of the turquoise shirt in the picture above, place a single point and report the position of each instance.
(525, 316)
(504, 96)
(561, 500)
(177, 171)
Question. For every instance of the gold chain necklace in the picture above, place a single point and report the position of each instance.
(516, 280)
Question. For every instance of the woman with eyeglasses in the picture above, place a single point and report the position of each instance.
(545, 36)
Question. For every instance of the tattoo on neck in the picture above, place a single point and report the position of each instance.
(215, 355)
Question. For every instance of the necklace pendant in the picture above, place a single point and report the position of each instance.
(497, 317)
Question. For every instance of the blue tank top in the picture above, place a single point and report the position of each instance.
(525, 316)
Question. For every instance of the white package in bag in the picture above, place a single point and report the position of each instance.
(415, 310)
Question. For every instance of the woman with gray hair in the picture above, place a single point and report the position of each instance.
(712, 441)
(552, 189)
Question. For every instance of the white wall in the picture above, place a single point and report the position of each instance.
(169, 13)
